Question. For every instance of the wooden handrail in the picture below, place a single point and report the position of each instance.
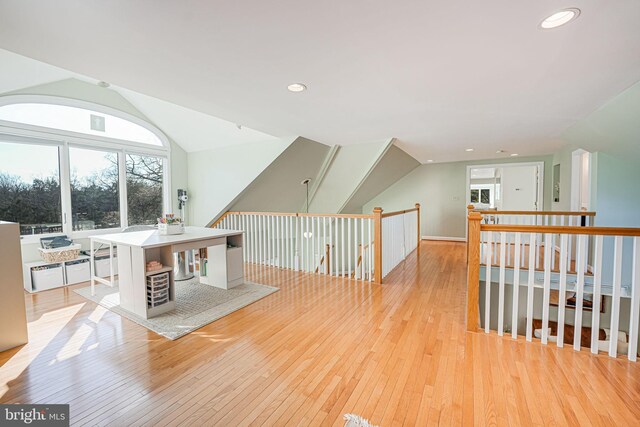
(560, 229)
(376, 217)
(545, 213)
(388, 214)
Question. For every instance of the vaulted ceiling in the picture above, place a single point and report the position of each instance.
(439, 76)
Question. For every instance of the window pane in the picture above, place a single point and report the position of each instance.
(78, 120)
(30, 187)
(144, 189)
(485, 196)
(474, 196)
(94, 189)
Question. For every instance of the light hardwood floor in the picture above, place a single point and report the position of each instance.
(397, 354)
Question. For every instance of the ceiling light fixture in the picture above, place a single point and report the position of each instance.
(297, 87)
(103, 84)
(514, 154)
(499, 151)
(560, 18)
(429, 161)
(469, 149)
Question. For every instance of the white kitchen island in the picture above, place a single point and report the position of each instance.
(135, 249)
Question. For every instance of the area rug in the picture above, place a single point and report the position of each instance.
(196, 305)
(353, 420)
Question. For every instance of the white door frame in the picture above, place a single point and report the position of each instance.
(576, 179)
(540, 195)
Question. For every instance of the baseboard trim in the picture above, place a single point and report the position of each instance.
(444, 238)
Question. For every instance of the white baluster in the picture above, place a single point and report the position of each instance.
(318, 243)
(570, 251)
(362, 260)
(562, 288)
(342, 249)
(547, 287)
(635, 302)
(332, 255)
(348, 247)
(303, 243)
(503, 250)
(516, 285)
(487, 286)
(581, 246)
(530, 279)
(370, 251)
(615, 300)
(553, 245)
(597, 290)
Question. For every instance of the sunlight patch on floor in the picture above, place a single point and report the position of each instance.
(41, 332)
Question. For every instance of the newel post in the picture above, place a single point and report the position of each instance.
(419, 236)
(473, 271)
(377, 245)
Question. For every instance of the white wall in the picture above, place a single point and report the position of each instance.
(217, 176)
(346, 171)
(441, 190)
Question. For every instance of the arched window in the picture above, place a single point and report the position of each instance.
(78, 168)
(78, 120)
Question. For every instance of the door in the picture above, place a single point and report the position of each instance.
(520, 188)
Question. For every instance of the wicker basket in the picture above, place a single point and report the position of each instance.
(66, 253)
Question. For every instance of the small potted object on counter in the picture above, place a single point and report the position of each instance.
(170, 224)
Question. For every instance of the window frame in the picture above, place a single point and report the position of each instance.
(36, 135)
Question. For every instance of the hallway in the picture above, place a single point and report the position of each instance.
(397, 354)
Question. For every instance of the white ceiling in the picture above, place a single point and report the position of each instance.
(439, 76)
(193, 130)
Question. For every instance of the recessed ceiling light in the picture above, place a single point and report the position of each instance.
(429, 161)
(560, 18)
(469, 149)
(499, 151)
(103, 84)
(514, 154)
(297, 87)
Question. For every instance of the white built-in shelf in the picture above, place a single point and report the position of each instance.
(160, 270)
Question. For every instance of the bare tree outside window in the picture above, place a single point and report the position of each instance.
(94, 189)
(30, 188)
(144, 188)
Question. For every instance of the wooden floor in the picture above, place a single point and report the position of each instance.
(397, 354)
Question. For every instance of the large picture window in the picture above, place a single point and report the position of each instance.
(144, 189)
(95, 201)
(75, 168)
(30, 187)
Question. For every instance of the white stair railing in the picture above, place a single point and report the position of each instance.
(323, 244)
(613, 273)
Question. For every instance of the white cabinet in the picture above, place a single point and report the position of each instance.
(103, 269)
(40, 275)
(224, 264)
(235, 264)
(13, 318)
(77, 271)
(47, 277)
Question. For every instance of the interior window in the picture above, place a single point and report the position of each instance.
(94, 189)
(30, 187)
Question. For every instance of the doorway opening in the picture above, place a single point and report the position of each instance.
(506, 187)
